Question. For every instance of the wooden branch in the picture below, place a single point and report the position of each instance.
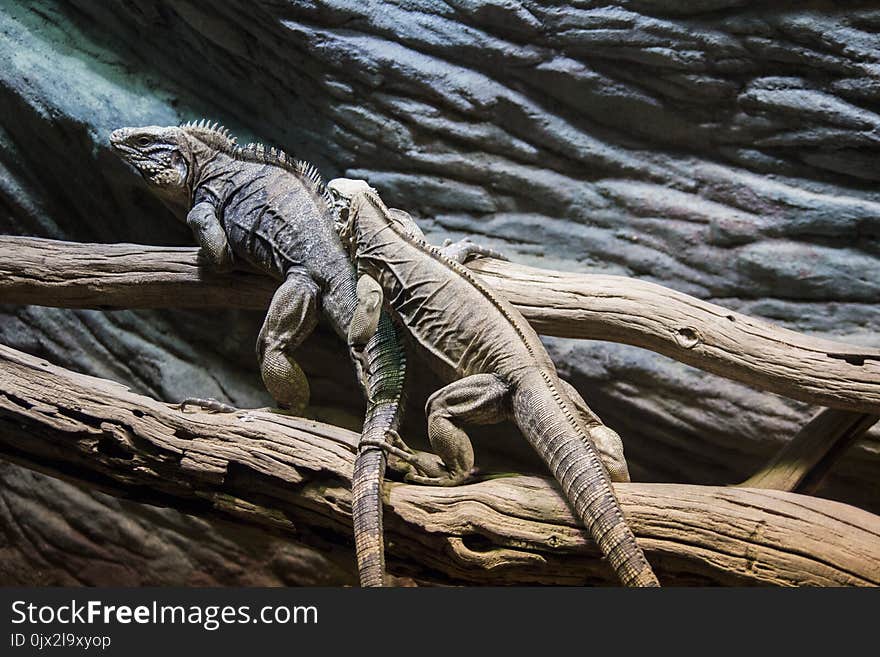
(110, 276)
(701, 334)
(801, 465)
(613, 308)
(291, 476)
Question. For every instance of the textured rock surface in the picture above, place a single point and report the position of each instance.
(725, 149)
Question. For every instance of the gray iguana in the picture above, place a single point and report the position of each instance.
(496, 366)
(257, 206)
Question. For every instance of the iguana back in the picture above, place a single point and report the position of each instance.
(498, 367)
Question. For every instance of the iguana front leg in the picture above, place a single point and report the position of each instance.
(460, 251)
(291, 318)
(464, 250)
(210, 236)
(215, 251)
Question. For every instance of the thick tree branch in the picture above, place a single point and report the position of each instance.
(801, 465)
(291, 476)
(613, 308)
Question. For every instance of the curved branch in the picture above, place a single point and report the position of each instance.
(292, 476)
(692, 331)
(612, 308)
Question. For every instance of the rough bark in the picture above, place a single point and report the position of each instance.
(291, 476)
(585, 306)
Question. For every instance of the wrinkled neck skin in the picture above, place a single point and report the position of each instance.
(369, 219)
(207, 174)
(201, 161)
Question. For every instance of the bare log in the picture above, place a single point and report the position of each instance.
(804, 461)
(111, 276)
(704, 335)
(291, 476)
(613, 308)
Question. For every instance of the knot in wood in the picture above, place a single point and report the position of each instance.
(687, 337)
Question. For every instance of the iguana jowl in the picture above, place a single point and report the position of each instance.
(256, 205)
(496, 365)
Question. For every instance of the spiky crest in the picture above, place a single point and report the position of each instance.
(212, 134)
(219, 138)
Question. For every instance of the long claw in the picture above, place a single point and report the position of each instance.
(423, 467)
(386, 447)
(443, 480)
(209, 404)
(398, 442)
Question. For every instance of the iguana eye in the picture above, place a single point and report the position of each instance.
(143, 141)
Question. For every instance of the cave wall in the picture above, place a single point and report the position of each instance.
(727, 149)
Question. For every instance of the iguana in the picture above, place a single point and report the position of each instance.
(257, 206)
(494, 362)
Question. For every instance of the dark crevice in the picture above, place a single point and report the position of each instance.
(80, 416)
(185, 434)
(18, 401)
(853, 359)
(112, 448)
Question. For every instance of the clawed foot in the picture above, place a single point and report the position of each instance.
(209, 404)
(409, 463)
(418, 467)
(465, 250)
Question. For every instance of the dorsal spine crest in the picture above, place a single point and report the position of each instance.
(219, 138)
(465, 273)
(459, 269)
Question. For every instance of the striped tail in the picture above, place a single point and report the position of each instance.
(547, 418)
(366, 511)
(386, 362)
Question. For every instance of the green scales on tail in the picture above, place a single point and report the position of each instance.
(495, 364)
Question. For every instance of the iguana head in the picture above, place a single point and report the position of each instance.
(163, 156)
(343, 191)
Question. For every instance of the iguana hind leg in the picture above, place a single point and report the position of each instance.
(606, 440)
(291, 318)
(477, 399)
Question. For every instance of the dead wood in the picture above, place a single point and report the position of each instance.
(596, 307)
(291, 476)
(801, 465)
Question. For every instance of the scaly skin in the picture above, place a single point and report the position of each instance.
(257, 206)
(496, 366)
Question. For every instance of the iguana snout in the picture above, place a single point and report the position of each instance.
(156, 152)
(344, 189)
